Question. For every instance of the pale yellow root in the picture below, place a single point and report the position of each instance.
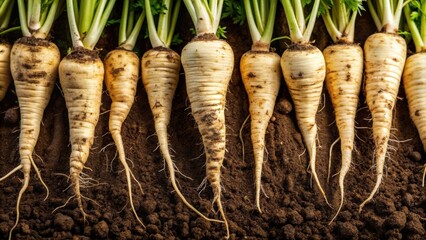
(261, 74)
(303, 67)
(34, 77)
(384, 62)
(344, 67)
(4, 69)
(414, 79)
(81, 75)
(160, 76)
(121, 78)
(208, 65)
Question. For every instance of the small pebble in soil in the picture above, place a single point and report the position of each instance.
(396, 220)
(11, 116)
(284, 106)
(101, 229)
(63, 222)
(415, 156)
(408, 200)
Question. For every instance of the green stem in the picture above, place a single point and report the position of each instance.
(374, 15)
(308, 32)
(163, 22)
(173, 23)
(154, 38)
(130, 21)
(75, 35)
(254, 32)
(300, 16)
(130, 42)
(295, 33)
(23, 19)
(47, 25)
(330, 26)
(122, 30)
(257, 16)
(191, 10)
(269, 28)
(10, 30)
(6, 12)
(86, 15)
(98, 23)
(415, 34)
(423, 23)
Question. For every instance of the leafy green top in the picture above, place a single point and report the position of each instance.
(386, 14)
(87, 19)
(415, 15)
(339, 18)
(205, 14)
(167, 12)
(129, 29)
(37, 16)
(300, 32)
(261, 18)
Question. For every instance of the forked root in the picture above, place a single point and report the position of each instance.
(217, 200)
(18, 202)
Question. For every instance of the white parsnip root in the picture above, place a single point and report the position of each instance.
(261, 75)
(344, 67)
(414, 80)
(4, 69)
(81, 75)
(303, 67)
(208, 65)
(384, 62)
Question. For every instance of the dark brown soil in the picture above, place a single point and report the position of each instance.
(293, 208)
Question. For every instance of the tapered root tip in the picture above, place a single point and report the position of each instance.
(76, 182)
(342, 196)
(258, 206)
(376, 187)
(18, 202)
(222, 213)
(320, 187)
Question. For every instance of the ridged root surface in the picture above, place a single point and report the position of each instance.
(34, 66)
(384, 62)
(303, 67)
(414, 80)
(121, 78)
(261, 74)
(4, 69)
(81, 75)
(208, 66)
(344, 67)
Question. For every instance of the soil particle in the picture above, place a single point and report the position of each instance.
(415, 156)
(125, 235)
(396, 220)
(385, 206)
(414, 226)
(25, 228)
(151, 228)
(295, 218)
(4, 227)
(11, 116)
(101, 229)
(288, 232)
(348, 231)
(289, 183)
(153, 219)
(408, 200)
(284, 106)
(309, 213)
(149, 206)
(63, 222)
(373, 221)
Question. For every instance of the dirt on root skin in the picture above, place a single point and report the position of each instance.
(293, 209)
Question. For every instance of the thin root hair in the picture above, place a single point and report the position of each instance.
(198, 157)
(301, 154)
(39, 176)
(60, 89)
(242, 138)
(65, 204)
(152, 135)
(263, 191)
(323, 103)
(41, 159)
(202, 187)
(332, 123)
(178, 171)
(107, 133)
(102, 113)
(330, 157)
